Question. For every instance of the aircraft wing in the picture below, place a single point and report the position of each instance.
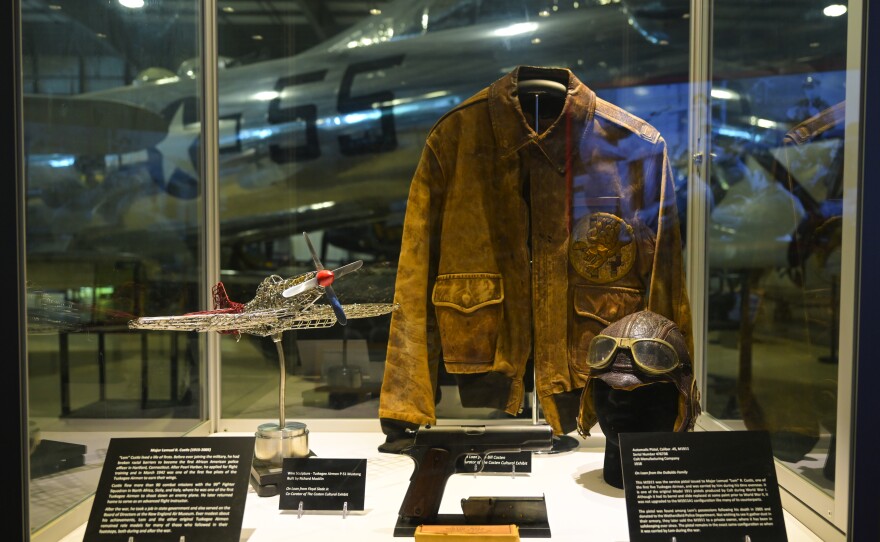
(354, 310)
(59, 124)
(262, 323)
(241, 321)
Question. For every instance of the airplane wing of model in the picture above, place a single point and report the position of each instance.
(279, 305)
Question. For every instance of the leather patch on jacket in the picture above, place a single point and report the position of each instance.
(602, 248)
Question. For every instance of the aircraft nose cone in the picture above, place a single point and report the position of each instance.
(325, 277)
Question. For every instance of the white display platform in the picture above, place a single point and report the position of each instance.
(580, 505)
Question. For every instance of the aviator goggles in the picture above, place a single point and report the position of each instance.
(653, 356)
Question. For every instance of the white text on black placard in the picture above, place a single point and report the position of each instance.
(505, 462)
(312, 483)
(172, 488)
(698, 486)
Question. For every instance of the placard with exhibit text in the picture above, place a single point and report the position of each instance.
(498, 462)
(317, 483)
(172, 488)
(696, 486)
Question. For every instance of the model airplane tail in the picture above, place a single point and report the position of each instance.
(221, 299)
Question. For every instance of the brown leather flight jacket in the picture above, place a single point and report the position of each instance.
(521, 244)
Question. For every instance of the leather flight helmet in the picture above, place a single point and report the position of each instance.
(637, 351)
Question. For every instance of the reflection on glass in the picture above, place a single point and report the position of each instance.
(111, 233)
(332, 148)
(774, 235)
(323, 135)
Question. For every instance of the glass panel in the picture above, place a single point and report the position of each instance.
(324, 112)
(774, 239)
(111, 232)
(326, 141)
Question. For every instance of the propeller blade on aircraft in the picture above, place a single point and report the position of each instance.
(301, 287)
(321, 279)
(347, 268)
(318, 265)
(337, 306)
(325, 278)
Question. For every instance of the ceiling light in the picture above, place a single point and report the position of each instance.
(834, 10)
(723, 94)
(515, 29)
(133, 4)
(266, 95)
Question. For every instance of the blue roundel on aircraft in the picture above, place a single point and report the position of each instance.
(173, 163)
(178, 184)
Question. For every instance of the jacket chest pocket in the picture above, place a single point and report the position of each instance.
(468, 307)
(593, 309)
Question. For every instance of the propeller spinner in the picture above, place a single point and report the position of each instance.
(324, 278)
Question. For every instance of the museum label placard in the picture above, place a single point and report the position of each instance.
(317, 483)
(497, 462)
(172, 488)
(701, 486)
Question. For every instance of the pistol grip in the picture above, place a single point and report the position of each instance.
(426, 487)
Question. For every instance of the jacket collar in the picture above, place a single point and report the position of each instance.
(512, 129)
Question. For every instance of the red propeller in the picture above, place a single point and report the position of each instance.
(324, 278)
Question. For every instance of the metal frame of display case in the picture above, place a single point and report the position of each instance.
(853, 510)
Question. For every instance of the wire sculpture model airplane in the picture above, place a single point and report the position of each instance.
(279, 305)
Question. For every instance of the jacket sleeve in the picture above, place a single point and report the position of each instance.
(668, 289)
(412, 359)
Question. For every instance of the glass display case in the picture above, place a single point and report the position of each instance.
(173, 150)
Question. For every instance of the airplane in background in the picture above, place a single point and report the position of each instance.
(327, 128)
(328, 139)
